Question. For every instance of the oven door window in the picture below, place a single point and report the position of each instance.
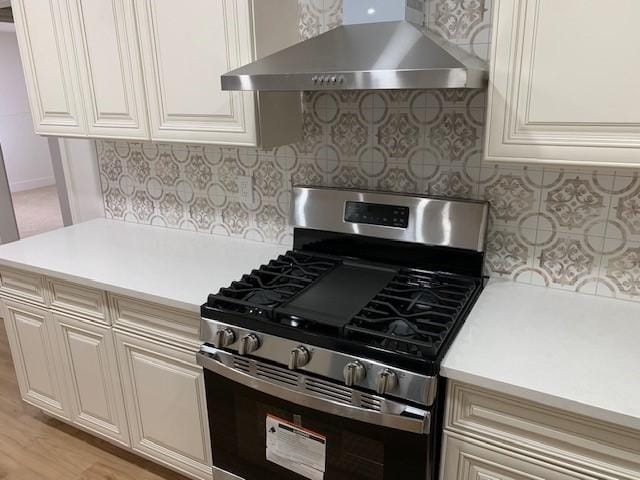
(354, 450)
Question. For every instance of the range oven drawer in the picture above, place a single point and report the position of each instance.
(377, 440)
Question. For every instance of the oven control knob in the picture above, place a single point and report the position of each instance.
(299, 357)
(354, 372)
(248, 343)
(387, 381)
(224, 337)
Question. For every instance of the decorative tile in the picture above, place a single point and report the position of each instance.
(198, 171)
(171, 209)
(349, 176)
(456, 19)
(268, 178)
(512, 196)
(111, 165)
(453, 135)
(236, 218)
(573, 203)
(621, 272)
(271, 222)
(570, 262)
(138, 167)
(398, 135)
(349, 134)
(142, 206)
(167, 169)
(509, 251)
(202, 213)
(397, 180)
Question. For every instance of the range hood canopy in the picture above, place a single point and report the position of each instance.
(363, 56)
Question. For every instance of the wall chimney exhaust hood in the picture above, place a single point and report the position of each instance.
(375, 48)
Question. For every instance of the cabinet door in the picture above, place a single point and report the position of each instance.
(185, 50)
(465, 460)
(107, 40)
(564, 85)
(35, 357)
(91, 377)
(50, 68)
(166, 406)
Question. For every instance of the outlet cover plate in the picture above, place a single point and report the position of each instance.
(245, 189)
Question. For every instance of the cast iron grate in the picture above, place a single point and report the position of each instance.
(259, 292)
(414, 314)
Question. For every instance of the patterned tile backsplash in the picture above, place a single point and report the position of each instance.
(572, 229)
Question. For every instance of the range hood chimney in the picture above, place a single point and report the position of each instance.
(377, 47)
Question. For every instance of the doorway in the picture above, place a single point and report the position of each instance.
(28, 168)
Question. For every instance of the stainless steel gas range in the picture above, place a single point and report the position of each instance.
(323, 363)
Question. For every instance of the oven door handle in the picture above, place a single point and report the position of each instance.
(403, 417)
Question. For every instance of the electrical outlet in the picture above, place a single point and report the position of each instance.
(245, 189)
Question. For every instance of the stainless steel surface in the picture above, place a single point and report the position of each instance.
(412, 387)
(219, 474)
(314, 393)
(432, 221)
(387, 380)
(224, 338)
(354, 373)
(299, 357)
(249, 343)
(385, 55)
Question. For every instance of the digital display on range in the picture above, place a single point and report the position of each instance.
(376, 214)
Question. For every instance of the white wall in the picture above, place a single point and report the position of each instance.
(26, 155)
(82, 179)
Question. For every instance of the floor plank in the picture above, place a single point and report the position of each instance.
(34, 446)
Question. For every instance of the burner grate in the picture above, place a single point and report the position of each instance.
(259, 292)
(414, 313)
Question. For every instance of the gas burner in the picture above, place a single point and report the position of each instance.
(415, 313)
(259, 292)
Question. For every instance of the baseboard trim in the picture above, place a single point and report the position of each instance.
(31, 184)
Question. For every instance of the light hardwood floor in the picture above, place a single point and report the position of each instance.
(36, 447)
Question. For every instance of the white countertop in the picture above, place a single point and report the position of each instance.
(575, 352)
(162, 265)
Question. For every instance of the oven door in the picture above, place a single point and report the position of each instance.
(357, 436)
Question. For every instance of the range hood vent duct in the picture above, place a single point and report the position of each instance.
(393, 54)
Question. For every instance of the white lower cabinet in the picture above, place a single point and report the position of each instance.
(36, 357)
(464, 460)
(165, 399)
(135, 384)
(493, 436)
(92, 378)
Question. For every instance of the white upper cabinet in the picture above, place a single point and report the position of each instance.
(109, 58)
(49, 62)
(564, 82)
(186, 48)
(150, 69)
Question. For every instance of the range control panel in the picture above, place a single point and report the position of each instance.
(376, 214)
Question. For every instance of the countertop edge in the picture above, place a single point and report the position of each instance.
(115, 289)
(546, 399)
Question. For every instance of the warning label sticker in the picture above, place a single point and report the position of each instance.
(297, 449)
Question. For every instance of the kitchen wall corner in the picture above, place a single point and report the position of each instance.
(567, 228)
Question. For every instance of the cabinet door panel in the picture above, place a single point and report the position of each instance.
(51, 72)
(465, 460)
(164, 394)
(114, 97)
(185, 51)
(92, 377)
(560, 93)
(35, 357)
